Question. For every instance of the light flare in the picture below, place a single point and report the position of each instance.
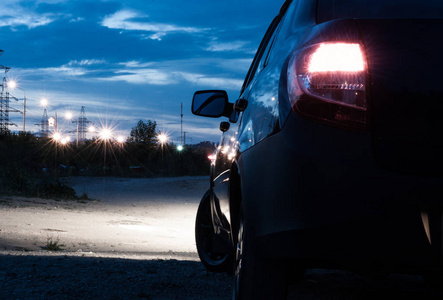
(105, 134)
(12, 84)
(68, 115)
(162, 138)
(56, 136)
(337, 57)
(44, 102)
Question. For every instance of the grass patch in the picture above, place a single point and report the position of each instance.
(53, 245)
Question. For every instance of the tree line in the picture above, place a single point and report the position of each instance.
(27, 160)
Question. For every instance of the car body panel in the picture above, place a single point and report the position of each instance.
(221, 185)
(406, 93)
(320, 190)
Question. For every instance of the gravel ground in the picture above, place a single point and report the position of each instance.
(43, 275)
(135, 240)
(46, 275)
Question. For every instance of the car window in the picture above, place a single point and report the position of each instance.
(263, 45)
(262, 56)
(261, 118)
(265, 59)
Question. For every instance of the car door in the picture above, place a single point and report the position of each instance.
(229, 146)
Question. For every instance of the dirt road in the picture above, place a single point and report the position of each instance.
(128, 215)
(136, 241)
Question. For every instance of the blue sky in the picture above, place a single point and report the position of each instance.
(129, 60)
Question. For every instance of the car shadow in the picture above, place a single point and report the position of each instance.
(60, 276)
(33, 275)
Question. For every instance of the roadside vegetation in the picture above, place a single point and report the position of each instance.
(35, 167)
(53, 244)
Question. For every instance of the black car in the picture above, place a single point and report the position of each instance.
(333, 156)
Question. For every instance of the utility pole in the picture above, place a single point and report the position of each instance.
(5, 99)
(184, 137)
(24, 111)
(4, 103)
(181, 123)
(44, 123)
(81, 126)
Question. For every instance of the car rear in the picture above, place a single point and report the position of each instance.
(356, 171)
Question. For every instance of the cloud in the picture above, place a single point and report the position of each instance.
(216, 46)
(18, 13)
(131, 21)
(31, 20)
(135, 64)
(63, 71)
(78, 19)
(180, 72)
(55, 73)
(238, 65)
(143, 76)
(161, 77)
(74, 68)
(213, 82)
(86, 62)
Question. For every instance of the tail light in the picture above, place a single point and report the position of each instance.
(327, 82)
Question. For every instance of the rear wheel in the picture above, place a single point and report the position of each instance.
(213, 258)
(261, 278)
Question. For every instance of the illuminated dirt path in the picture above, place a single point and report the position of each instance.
(141, 216)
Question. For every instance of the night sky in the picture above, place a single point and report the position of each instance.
(131, 60)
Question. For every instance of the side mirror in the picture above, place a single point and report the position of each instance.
(211, 103)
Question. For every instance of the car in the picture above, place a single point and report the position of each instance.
(332, 156)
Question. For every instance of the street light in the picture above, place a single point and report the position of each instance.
(68, 115)
(120, 139)
(57, 136)
(105, 134)
(162, 138)
(44, 102)
(12, 84)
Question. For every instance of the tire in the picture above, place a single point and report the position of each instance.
(260, 278)
(238, 270)
(204, 239)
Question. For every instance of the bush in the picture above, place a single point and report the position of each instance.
(56, 190)
(16, 180)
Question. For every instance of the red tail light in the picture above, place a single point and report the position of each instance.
(327, 82)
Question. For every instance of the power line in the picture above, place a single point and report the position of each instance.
(44, 124)
(5, 99)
